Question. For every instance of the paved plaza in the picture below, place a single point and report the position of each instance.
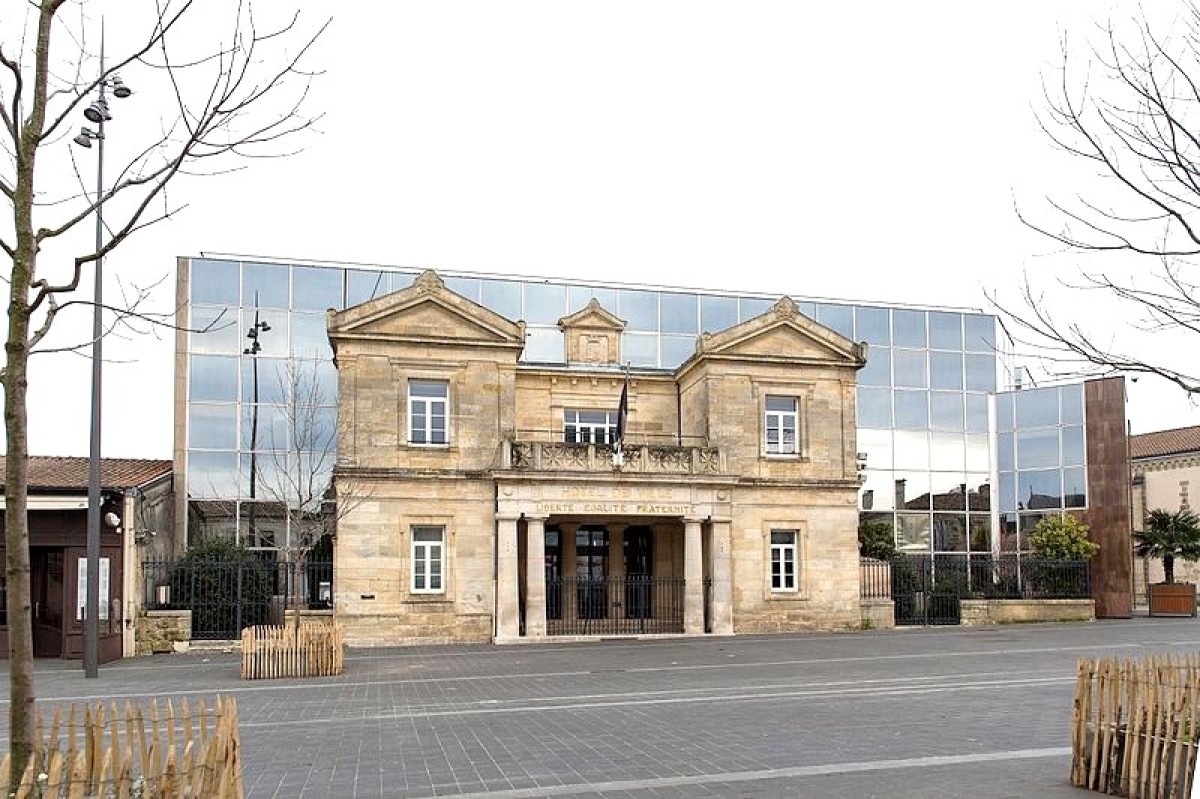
(970, 712)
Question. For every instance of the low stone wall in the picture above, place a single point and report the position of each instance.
(164, 631)
(1017, 611)
(878, 614)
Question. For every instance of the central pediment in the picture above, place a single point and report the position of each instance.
(782, 334)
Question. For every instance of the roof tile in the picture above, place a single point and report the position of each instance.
(53, 473)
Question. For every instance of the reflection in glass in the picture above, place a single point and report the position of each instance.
(215, 330)
(212, 474)
(912, 410)
(316, 288)
(980, 333)
(580, 296)
(837, 317)
(979, 493)
(912, 449)
(874, 407)
(872, 326)
(1037, 407)
(1007, 497)
(266, 283)
(981, 373)
(909, 368)
(544, 345)
(503, 297)
(273, 385)
(945, 330)
(1072, 403)
(640, 349)
(1037, 490)
(950, 532)
(877, 444)
(267, 427)
(947, 451)
(946, 370)
(977, 413)
(908, 328)
(212, 426)
(639, 309)
(545, 303)
(981, 533)
(751, 307)
(977, 454)
(912, 490)
(680, 313)
(717, 313)
(272, 342)
(949, 491)
(362, 286)
(325, 377)
(1074, 487)
(212, 377)
(878, 491)
(1009, 541)
(676, 350)
(1072, 446)
(1004, 411)
(913, 533)
(1029, 522)
(1006, 457)
(310, 336)
(1037, 449)
(214, 282)
(468, 287)
(946, 410)
(878, 371)
(211, 518)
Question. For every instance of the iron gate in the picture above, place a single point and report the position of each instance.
(927, 590)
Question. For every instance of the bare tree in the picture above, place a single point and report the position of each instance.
(234, 94)
(1127, 112)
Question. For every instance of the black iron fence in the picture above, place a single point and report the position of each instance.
(227, 595)
(626, 605)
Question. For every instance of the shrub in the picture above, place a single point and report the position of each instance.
(1062, 538)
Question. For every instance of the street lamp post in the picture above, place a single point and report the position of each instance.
(259, 326)
(96, 113)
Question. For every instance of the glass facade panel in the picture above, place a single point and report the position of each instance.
(640, 349)
(1006, 452)
(981, 373)
(212, 426)
(268, 427)
(212, 475)
(503, 297)
(580, 296)
(544, 345)
(1007, 493)
(947, 451)
(1037, 407)
(946, 410)
(265, 285)
(981, 533)
(1071, 398)
(978, 459)
(1009, 541)
(874, 407)
(1037, 449)
(908, 328)
(837, 317)
(878, 491)
(912, 491)
(310, 337)
(913, 532)
(979, 333)
(677, 349)
(909, 368)
(212, 378)
(912, 449)
(750, 307)
(1073, 453)
(215, 282)
(1074, 487)
(877, 444)
(950, 532)
(912, 410)
(979, 493)
(680, 313)
(946, 370)
(316, 288)
(1004, 412)
(362, 286)
(878, 371)
(945, 330)
(949, 491)
(872, 325)
(272, 341)
(215, 330)
(977, 413)
(639, 309)
(1038, 490)
(545, 303)
(468, 287)
(717, 313)
(272, 385)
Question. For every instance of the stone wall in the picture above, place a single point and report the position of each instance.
(878, 614)
(977, 612)
(164, 631)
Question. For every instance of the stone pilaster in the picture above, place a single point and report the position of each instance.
(693, 578)
(507, 583)
(535, 576)
(722, 577)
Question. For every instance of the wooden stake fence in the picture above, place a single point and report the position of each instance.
(1135, 727)
(164, 754)
(305, 650)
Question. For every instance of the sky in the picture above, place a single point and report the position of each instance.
(872, 151)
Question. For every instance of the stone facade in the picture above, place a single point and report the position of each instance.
(483, 514)
(1165, 466)
(161, 631)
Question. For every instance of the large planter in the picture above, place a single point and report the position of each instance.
(1173, 599)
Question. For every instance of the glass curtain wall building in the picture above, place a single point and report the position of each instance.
(258, 392)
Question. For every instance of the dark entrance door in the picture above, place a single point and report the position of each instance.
(591, 572)
(639, 571)
(49, 600)
(553, 573)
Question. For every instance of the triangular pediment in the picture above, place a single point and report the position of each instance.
(426, 312)
(782, 334)
(592, 316)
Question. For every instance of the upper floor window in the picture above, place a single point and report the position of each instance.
(427, 560)
(427, 403)
(782, 422)
(783, 560)
(589, 427)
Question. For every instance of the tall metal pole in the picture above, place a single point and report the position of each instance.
(91, 624)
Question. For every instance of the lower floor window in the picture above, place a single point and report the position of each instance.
(783, 560)
(428, 560)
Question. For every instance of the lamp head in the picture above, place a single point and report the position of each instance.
(83, 139)
(119, 89)
(97, 112)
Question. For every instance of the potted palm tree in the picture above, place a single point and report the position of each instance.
(1169, 536)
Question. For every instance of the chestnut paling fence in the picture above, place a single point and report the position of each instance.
(155, 752)
(1134, 732)
(292, 650)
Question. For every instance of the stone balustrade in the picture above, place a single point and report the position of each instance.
(640, 459)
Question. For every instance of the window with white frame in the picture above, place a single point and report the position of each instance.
(589, 427)
(783, 561)
(781, 424)
(428, 560)
(427, 404)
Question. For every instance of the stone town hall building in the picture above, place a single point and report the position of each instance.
(484, 498)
